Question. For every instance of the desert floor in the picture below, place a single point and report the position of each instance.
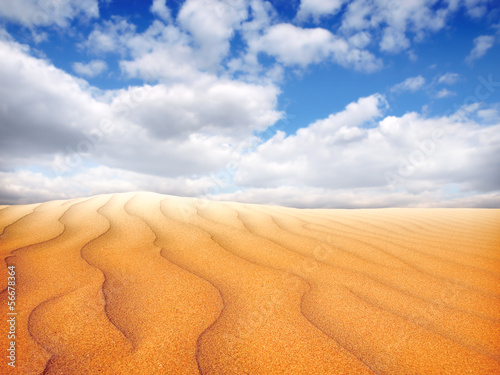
(142, 283)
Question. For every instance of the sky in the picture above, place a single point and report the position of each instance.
(302, 103)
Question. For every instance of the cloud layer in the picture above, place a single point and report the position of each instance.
(210, 79)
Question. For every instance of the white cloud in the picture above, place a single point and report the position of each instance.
(91, 69)
(412, 56)
(489, 115)
(449, 78)
(341, 162)
(25, 186)
(481, 45)
(212, 23)
(394, 40)
(410, 84)
(170, 52)
(160, 9)
(298, 159)
(110, 37)
(292, 45)
(318, 8)
(445, 93)
(360, 40)
(476, 8)
(161, 52)
(171, 138)
(357, 16)
(43, 108)
(209, 106)
(200, 40)
(308, 197)
(397, 22)
(33, 13)
(201, 126)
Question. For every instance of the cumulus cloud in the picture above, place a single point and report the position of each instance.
(91, 69)
(318, 8)
(445, 93)
(476, 8)
(110, 37)
(33, 13)
(489, 115)
(210, 106)
(481, 45)
(396, 18)
(356, 158)
(212, 24)
(410, 84)
(161, 53)
(159, 8)
(43, 109)
(200, 40)
(396, 23)
(353, 158)
(308, 156)
(202, 126)
(360, 40)
(171, 52)
(292, 45)
(449, 78)
(394, 40)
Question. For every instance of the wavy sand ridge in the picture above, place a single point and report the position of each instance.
(143, 283)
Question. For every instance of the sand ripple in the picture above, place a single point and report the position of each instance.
(143, 283)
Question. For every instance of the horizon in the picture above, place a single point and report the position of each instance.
(203, 200)
(306, 104)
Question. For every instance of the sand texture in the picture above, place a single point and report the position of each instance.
(142, 283)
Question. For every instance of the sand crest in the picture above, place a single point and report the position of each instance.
(142, 283)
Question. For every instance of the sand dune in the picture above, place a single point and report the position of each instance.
(142, 283)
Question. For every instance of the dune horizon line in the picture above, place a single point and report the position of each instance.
(226, 199)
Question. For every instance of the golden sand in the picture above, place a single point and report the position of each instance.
(142, 283)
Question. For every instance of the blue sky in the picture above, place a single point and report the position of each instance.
(307, 103)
